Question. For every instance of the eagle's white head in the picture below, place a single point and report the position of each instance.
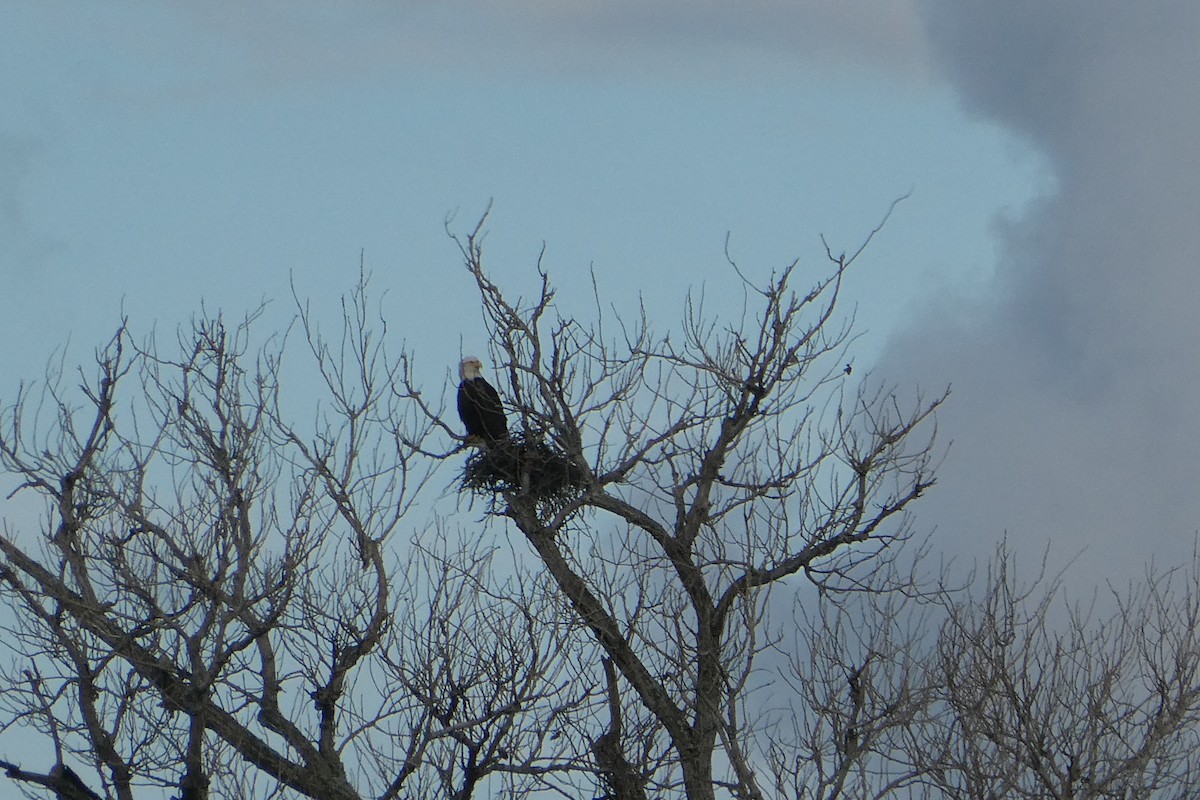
(470, 368)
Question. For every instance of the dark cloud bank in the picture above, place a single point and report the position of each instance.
(1075, 417)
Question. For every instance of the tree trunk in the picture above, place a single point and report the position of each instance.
(696, 761)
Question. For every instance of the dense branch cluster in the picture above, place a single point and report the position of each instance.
(704, 593)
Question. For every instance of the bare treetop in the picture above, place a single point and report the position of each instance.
(683, 580)
(713, 463)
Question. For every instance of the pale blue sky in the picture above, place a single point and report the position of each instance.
(157, 156)
(154, 156)
(158, 159)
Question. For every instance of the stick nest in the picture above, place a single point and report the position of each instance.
(526, 466)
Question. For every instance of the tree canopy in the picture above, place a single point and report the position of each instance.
(707, 584)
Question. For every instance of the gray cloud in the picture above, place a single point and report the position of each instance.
(22, 249)
(703, 38)
(1076, 417)
(875, 32)
(15, 156)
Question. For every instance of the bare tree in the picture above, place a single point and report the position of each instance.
(217, 601)
(712, 465)
(859, 685)
(705, 594)
(999, 688)
(1038, 697)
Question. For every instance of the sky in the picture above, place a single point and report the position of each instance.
(156, 159)
(159, 159)
(1075, 417)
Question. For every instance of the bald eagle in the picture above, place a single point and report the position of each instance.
(68, 784)
(479, 403)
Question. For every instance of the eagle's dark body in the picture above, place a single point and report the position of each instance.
(479, 404)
